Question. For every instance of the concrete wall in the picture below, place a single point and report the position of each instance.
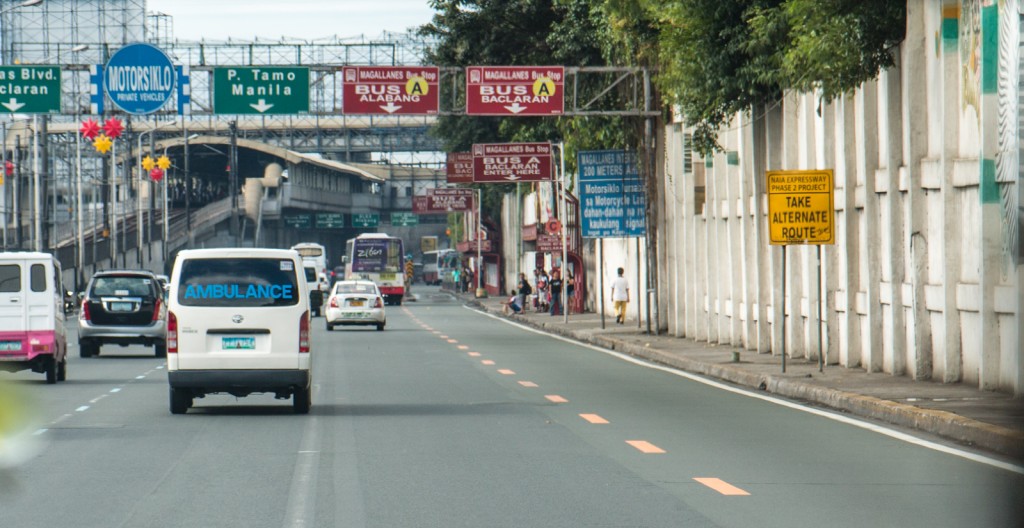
(923, 279)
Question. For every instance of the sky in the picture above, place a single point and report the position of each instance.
(300, 19)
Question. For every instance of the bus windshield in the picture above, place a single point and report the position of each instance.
(377, 255)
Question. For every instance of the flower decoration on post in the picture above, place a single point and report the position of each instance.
(163, 162)
(156, 174)
(8, 168)
(148, 163)
(90, 129)
(113, 127)
(103, 143)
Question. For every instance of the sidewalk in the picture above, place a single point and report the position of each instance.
(988, 420)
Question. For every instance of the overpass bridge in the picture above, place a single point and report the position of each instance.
(226, 190)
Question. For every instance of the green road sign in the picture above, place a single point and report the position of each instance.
(330, 220)
(365, 220)
(298, 221)
(404, 219)
(259, 90)
(29, 89)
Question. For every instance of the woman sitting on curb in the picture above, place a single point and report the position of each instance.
(511, 305)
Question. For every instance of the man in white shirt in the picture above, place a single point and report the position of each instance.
(620, 296)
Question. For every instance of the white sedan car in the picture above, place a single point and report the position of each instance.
(355, 302)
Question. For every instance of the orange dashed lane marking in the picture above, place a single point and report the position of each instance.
(530, 384)
(474, 354)
(556, 398)
(443, 336)
(463, 347)
(593, 418)
(452, 341)
(721, 486)
(506, 372)
(487, 362)
(438, 332)
(645, 447)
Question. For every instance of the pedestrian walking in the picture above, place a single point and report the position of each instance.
(555, 286)
(620, 296)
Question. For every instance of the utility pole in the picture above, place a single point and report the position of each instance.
(233, 179)
(188, 188)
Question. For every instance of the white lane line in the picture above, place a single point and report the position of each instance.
(98, 398)
(891, 433)
(39, 432)
(115, 390)
(300, 511)
(140, 377)
(82, 408)
(61, 419)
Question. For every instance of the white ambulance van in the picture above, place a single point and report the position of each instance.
(32, 333)
(238, 323)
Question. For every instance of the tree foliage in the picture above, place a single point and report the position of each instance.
(720, 57)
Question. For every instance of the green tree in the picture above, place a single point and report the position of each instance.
(720, 57)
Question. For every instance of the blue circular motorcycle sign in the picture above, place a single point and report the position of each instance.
(139, 79)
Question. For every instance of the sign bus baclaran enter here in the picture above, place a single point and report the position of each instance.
(800, 207)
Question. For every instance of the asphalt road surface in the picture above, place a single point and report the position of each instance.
(453, 418)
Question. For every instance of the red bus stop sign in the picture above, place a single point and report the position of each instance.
(515, 90)
(511, 162)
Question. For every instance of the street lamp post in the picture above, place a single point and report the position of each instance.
(26, 3)
(479, 244)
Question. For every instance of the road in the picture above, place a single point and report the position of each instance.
(455, 418)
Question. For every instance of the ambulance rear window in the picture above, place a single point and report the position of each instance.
(238, 282)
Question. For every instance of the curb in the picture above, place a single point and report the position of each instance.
(941, 423)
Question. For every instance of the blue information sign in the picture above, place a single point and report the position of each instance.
(139, 79)
(611, 194)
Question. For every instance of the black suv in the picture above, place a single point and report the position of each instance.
(123, 307)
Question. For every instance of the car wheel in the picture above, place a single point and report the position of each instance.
(180, 401)
(380, 327)
(62, 370)
(329, 327)
(302, 401)
(87, 349)
(160, 349)
(51, 370)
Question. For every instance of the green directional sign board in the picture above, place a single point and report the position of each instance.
(298, 221)
(330, 220)
(260, 90)
(29, 89)
(365, 220)
(404, 219)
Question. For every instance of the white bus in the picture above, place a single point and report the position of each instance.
(313, 252)
(437, 263)
(380, 258)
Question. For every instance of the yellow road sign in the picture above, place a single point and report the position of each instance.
(801, 208)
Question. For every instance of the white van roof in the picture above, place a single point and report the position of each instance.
(238, 253)
(22, 255)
